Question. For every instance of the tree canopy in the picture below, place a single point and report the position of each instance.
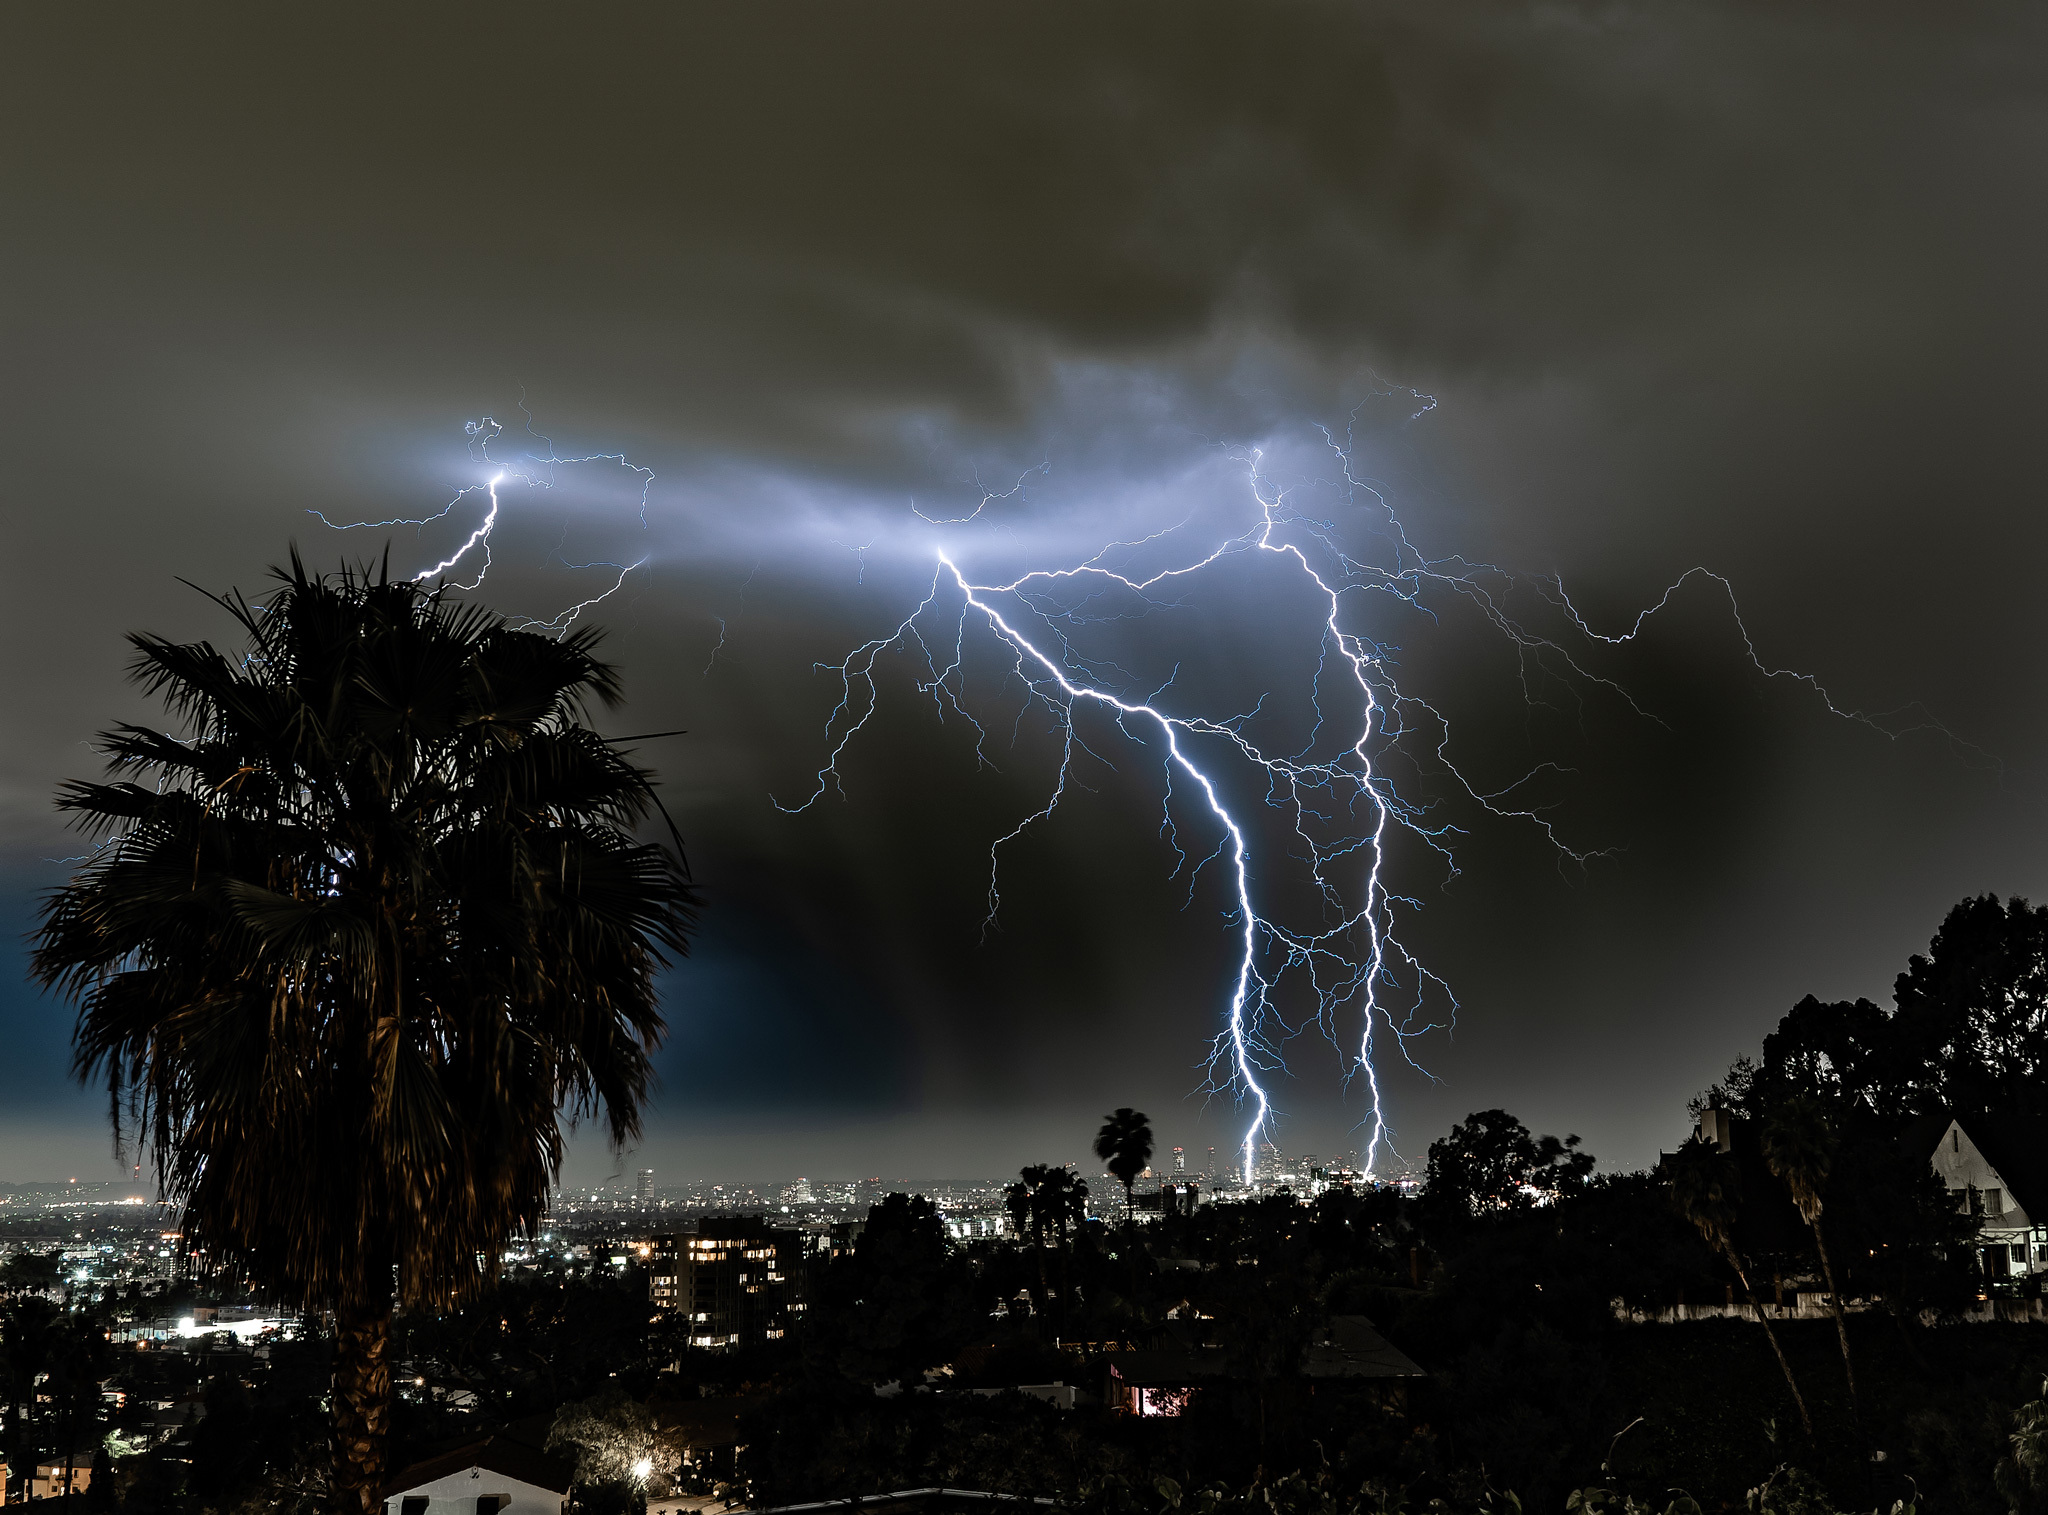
(1491, 1161)
(354, 943)
(1967, 1034)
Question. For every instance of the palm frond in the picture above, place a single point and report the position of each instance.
(366, 932)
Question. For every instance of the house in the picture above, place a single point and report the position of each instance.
(1059, 1394)
(1161, 1380)
(495, 1476)
(54, 1477)
(1157, 1381)
(1997, 1172)
(1351, 1347)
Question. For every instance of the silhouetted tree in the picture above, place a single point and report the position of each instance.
(1047, 1201)
(1490, 1161)
(31, 1273)
(1799, 1145)
(358, 940)
(1065, 1199)
(1125, 1146)
(899, 1304)
(31, 1330)
(1706, 1188)
(1029, 1218)
(1968, 1034)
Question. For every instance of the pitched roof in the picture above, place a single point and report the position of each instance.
(1355, 1349)
(2015, 1149)
(1165, 1367)
(914, 1497)
(702, 1422)
(494, 1454)
(1351, 1348)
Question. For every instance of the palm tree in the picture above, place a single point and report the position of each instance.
(1047, 1199)
(1028, 1214)
(1065, 1199)
(359, 942)
(1799, 1146)
(1125, 1146)
(1706, 1188)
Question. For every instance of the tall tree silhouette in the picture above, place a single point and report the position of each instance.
(1125, 1146)
(31, 1329)
(1706, 1189)
(1025, 1201)
(1065, 1199)
(1799, 1145)
(357, 942)
(1047, 1201)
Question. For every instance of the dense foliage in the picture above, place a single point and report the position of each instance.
(356, 942)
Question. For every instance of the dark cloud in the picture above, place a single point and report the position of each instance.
(1743, 285)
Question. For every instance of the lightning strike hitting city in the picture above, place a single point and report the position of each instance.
(1114, 759)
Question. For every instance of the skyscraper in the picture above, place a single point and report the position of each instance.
(735, 1280)
(643, 1189)
(1180, 1160)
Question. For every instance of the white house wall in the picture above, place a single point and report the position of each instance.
(1961, 1166)
(457, 1494)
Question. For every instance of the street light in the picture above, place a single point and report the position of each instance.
(642, 1468)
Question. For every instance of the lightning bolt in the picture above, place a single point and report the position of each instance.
(1331, 807)
(533, 470)
(1335, 794)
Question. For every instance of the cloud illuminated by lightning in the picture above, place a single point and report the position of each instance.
(1336, 800)
(1304, 830)
(533, 470)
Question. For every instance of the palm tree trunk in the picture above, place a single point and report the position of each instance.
(1805, 1420)
(1841, 1320)
(1044, 1289)
(1131, 1239)
(1066, 1286)
(362, 1404)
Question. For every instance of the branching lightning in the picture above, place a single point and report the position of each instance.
(532, 471)
(1335, 795)
(1304, 830)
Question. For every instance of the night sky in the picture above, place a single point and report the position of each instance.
(1754, 288)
